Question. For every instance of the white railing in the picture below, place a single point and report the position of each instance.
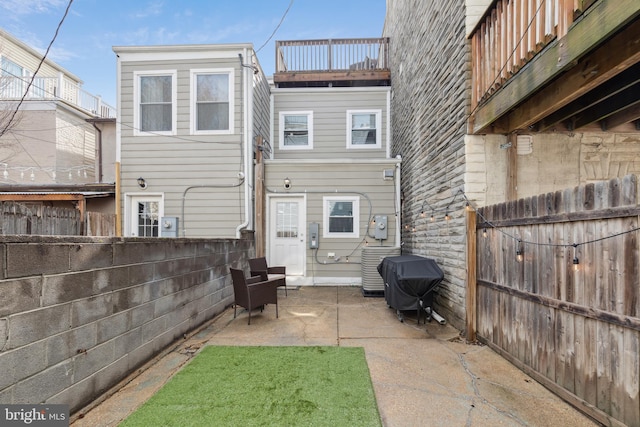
(55, 88)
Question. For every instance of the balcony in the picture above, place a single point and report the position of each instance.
(332, 62)
(556, 65)
(55, 89)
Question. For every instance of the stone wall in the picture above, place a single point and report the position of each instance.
(430, 81)
(77, 315)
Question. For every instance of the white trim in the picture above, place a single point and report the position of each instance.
(369, 89)
(388, 125)
(128, 205)
(178, 52)
(272, 123)
(136, 100)
(193, 98)
(378, 143)
(309, 145)
(355, 215)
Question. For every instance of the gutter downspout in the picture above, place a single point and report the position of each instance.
(247, 122)
(99, 149)
(118, 148)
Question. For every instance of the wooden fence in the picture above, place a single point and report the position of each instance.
(567, 313)
(17, 218)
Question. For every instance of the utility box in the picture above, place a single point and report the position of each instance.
(380, 231)
(169, 226)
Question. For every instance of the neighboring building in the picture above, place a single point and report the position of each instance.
(330, 169)
(500, 101)
(57, 142)
(188, 119)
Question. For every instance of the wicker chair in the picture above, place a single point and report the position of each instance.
(252, 292)
(258, 267)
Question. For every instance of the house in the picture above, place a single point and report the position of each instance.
(331, 186)
(497, 102)
(189, 116)
(195, 119)
(57, 142)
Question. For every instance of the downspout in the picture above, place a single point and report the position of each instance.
(118, 148)
(248, 157)
(99, 149)
(397, 203)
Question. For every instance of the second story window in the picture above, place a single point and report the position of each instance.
(296, 130)
(156, 103)
(364, 129)
(212, 101)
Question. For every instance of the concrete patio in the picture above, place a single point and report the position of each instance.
(423, 374)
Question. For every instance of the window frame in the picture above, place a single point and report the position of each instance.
(137, 87)
(131, 200)
(281, 143)
(378, 144)
(326, 233)
(193, 94)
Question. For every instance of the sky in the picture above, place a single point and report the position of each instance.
(92, 27)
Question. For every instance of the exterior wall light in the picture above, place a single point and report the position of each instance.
(287, 184)
(142, 183)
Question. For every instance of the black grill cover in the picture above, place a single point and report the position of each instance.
(409, 280)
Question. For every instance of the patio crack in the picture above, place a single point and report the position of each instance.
(478, 395)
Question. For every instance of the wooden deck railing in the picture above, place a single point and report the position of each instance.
(332, 55)
(511, 33)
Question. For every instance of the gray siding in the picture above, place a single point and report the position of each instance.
(430, 74)
(317, 180)
(261, 107)
(172, 164)
(330, 108)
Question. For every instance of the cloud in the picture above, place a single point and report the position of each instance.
(153, 8)
(28, 7)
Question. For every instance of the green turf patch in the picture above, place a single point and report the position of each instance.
(266, 386)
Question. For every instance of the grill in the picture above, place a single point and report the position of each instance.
(409, 282)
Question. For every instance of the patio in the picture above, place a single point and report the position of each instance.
(423, 375)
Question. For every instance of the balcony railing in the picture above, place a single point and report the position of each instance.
(347, 58)
(511, 33)
(55, 88)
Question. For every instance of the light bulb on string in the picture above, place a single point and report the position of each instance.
(32, 176)
(484, 232)
(576, 261)
(22, 174)
(5, 174)
(520, 252)
(433, 218)
(446, 216)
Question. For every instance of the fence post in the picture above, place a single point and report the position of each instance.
(471, 275)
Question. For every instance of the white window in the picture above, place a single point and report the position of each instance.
(155, 111)
(341, 216)
(364, 129)
(296, 130)
(212, 101)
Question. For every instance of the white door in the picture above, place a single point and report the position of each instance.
(287, 233)
(144, 216)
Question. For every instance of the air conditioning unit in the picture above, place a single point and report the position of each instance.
(372, 283)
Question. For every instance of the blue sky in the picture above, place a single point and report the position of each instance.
(84, 43)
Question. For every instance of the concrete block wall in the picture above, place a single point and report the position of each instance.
(77, 315)
(430, 76)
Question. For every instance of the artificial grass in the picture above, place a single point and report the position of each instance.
(266, 386)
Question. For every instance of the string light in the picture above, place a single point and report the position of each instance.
(520, 248)
(520, 252)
